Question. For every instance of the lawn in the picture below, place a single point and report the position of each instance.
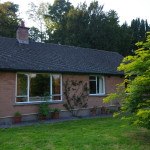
(91, 134)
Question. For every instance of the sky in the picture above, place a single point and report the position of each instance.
(126, 9)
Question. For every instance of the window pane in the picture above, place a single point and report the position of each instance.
(56, 84)
(21, 99)
(56, 97)
(22, 84)
(101, 85)
(92, 87)
(92, 77)
(39, 86)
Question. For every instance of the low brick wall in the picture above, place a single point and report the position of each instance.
(63, 114)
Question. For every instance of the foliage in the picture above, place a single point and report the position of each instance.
(43, 108)
(37, 13)
(76, 93)
(17, 114)
(103, 108)
(94, 108)
(111, 110)
(92, 27)
(58, 10)
(55, 110)
(136, 97)
(56, 17)
(83, 26)
(86, 26)
(34, 34)
(8, 19)
(86, 134)
(139, 28)
(125, 40)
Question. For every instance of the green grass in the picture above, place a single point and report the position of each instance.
(91, 134)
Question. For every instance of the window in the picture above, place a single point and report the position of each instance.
(97, 85)
(36, 87)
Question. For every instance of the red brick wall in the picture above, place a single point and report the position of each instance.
(7, 94)
(110, 87)
(22, 34)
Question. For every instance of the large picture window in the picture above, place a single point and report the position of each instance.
(97, 85)
(38, 87)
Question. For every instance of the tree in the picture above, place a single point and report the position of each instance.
(139, 27)
(124, 43)
(75, 27)
(83, 26)
(34, 34)
(37, 13)
(56, 24)
(58, 10)
(8, 19)
(110, 32)
(87, 26)
(136, 97)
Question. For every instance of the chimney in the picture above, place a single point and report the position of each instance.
(22, 33)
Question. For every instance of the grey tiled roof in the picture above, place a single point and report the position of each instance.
(46, 57)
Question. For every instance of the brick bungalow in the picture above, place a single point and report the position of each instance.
(28, 69)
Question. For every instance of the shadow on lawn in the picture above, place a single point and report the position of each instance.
(142, 136)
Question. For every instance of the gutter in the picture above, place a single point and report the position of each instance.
(62, 72)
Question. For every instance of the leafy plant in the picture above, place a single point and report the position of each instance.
(56, 110)
(76, 93)
(17, 114)
(8, 19)
(111, 110)
(94, 108)
(136, 96)
(103, 108)
(44, 109)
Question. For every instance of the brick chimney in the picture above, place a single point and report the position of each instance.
(22, 33)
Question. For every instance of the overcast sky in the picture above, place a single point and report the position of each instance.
(126, 9)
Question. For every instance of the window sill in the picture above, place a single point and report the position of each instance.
(97, 95)
(34, 103)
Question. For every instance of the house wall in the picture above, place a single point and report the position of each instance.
(7, 95)
(110, 87)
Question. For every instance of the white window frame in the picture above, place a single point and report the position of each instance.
(97, 94)
(28, 88)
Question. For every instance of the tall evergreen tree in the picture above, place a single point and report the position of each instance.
(125, 39)
(139, 28)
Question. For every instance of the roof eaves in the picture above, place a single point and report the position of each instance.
(63, 72)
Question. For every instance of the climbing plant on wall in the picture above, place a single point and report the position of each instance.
(76, 94)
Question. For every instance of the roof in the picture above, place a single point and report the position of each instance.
(46, 57)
